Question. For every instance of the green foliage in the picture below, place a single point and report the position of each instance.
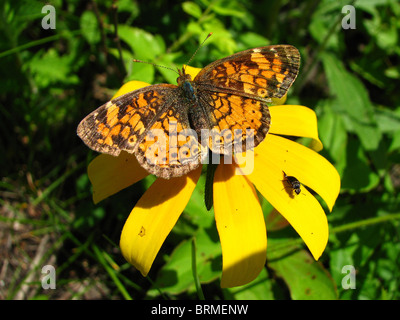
(50, 79)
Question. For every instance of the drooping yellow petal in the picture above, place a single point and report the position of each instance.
(292, 120)
(191, 70)
(109, 174)
(153, 217)
(309, 167)
(302, 211)
(241, 227)
(130, 86)
(276, 155)
(279, 101)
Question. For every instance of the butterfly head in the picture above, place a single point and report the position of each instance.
(185, 82)
(183, 77)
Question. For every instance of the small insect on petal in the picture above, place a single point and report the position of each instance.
(294, 184)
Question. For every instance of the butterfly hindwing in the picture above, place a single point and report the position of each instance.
(170, 147)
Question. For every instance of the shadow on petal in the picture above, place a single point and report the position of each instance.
(302, 211)
(241, 227)
(244, 270)
(109, 175)
(153, 217)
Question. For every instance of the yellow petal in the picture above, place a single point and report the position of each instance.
(279, 101)
(109, 174)
(241, 227)
(153, 217)
(302, 211)
(130, 86)
(309, 167)
(296, 121)
(192, 71)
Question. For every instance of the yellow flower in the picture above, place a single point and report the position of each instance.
(238, 214)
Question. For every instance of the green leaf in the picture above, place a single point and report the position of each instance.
(388, 120)
(305, 278)
(319, 29)
(357, 175)
(141, 71)
(259, 289)
(353, 100)
(167, 60)
(129, 6)
(90, 28)
(392, 72)
(355, 249)
(209, 255)
(144, 45)
(332, 133)
(395, 145)
(192, 8)
(229, 8)
(221, 37)
(194, 28)
(50, 68)
(176, 275)
(321, 23)
(135, 70)
(253, 40)
(17, 15)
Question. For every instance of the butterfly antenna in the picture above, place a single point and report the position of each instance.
(155, 65)
(209, 35)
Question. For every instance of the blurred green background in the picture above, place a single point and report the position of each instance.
(51, 78)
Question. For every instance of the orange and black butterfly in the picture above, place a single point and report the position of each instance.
(170, 128)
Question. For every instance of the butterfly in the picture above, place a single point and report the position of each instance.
(171, 128)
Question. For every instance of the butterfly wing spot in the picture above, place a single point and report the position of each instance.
(125, 133)
(132, 140)
(112, 113)
(276, 65)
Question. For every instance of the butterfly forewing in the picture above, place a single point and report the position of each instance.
(122, 122)
(265, 72)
